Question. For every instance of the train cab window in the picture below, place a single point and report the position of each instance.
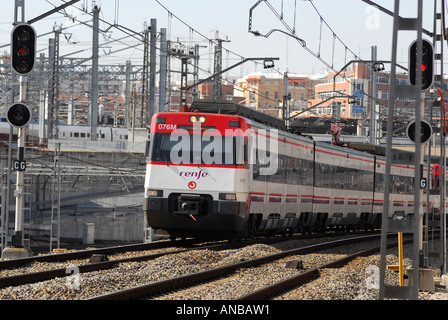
(192, 149)
(147, 148)
(103, 136)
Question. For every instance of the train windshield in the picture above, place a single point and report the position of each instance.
(198, 149)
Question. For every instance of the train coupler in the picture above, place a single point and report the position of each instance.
(190, 205)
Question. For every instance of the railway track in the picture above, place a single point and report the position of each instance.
(188, 243)
(98, 260)
(100, 280)
(101, 261)
(173, 284)
(82, 254)
(277, 288)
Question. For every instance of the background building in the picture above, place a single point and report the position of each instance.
(264, 91)
(353, 108)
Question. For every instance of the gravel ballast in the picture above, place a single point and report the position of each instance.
(351, 282)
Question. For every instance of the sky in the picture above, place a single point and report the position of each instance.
(353, 28)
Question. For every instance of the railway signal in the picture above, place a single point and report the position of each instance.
(19, 115)
(425, 132)
(427, 65)
(23, 48)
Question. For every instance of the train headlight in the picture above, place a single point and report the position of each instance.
(195, 119)
(153, 193)
(227, 196)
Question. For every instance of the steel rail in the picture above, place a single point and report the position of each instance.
(296, 281)
(81, 254)
(32, 277)
(158, 287)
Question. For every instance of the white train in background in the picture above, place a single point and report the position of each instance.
(78, 133)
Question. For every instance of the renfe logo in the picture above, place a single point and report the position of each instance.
(191, 174)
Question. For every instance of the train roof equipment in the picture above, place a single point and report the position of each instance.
(233, 108)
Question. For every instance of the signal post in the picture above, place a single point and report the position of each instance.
(23, 49)
(420, 78)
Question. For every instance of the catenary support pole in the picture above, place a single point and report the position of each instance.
(94, 84)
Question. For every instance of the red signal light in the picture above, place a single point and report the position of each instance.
(426, 66)
(23, 48)
(22, 51)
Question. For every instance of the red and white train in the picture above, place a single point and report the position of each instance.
(226, 176)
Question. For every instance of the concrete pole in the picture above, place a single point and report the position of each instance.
(94, 84)
(127, 93)
(51, 84)
(163, 69)
(285, 111)
(152, 70)
(372, 127)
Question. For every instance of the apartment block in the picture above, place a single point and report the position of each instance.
(264, 91)
(352, 90)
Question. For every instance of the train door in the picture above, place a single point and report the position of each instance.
(275, 182)
(304, 169)
(256, 202)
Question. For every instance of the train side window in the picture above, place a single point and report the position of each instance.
(366, 180)
(147, 148)
(353, 179)
(256, 170)
(306, 168)
(76, 134)
(379, 182)
(341, 180)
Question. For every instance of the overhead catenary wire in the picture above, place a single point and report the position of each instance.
(133, 33)
(212, 41)
(292, 33)
(138, 35)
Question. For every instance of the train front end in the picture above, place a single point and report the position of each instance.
(196, 175)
